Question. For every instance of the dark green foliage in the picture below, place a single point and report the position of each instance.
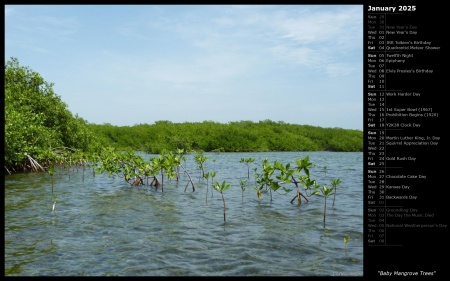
(243, 136)
(36, 121)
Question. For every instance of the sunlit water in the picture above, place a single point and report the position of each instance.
(102, 226)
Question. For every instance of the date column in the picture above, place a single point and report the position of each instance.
(375, 130)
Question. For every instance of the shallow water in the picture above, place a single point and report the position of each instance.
(102, 226)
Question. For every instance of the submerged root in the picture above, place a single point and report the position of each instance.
(296, 196)
(137, 181)
(155, 182)
(34, 165)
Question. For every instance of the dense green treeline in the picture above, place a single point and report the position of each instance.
(242, 136)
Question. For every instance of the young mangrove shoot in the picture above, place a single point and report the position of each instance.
(221, 188)
(325, 191)
(247, 161)
(335, 183)
(243, 183)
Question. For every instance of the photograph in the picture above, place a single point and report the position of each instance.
(213, 140)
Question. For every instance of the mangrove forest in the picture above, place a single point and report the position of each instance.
(40, 131)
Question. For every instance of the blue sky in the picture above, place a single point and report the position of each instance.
(132, 64)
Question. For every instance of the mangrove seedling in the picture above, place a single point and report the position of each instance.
(221, 188)
(247, 161)
(158, 165)
(258, 189)
(307, 183)
(346, 239)
(180, 157)
(259, 183)
(213, 174)
(207, 184)
(302, 164)
(171, 163)
(325, 191)
(284, 176)
(267, 179)
(335, 183)
(243, 183)
(200, 159)
(166, 164)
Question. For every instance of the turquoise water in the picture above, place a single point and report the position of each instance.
(102, 226)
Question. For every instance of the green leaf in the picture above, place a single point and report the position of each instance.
(315, 192)
(346, 239)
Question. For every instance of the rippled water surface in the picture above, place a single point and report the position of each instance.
(102, 226)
